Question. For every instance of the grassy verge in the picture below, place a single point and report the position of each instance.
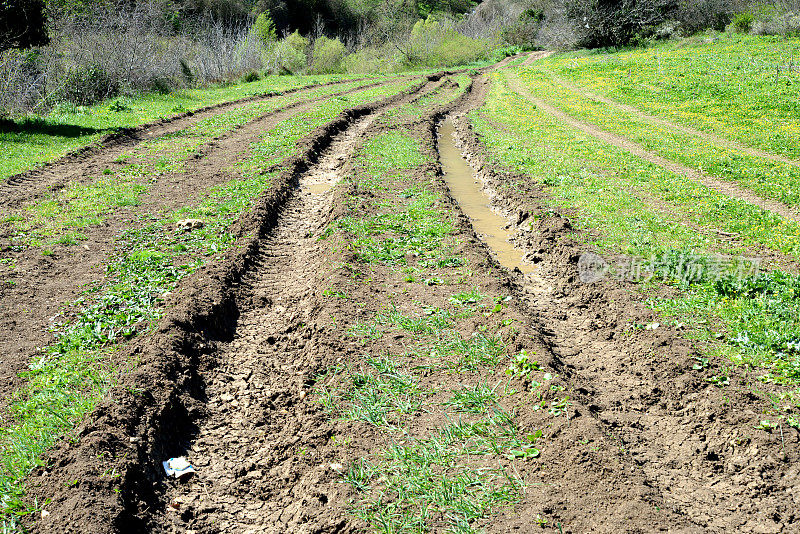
(632, 207)
(74, 373)
(637, 207)
(34, 141)
(770, 179)
(728, 86)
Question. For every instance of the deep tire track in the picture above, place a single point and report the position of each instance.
(175, 362)
(688, 441)
(249, 438)
(50, 282)
(264, 366)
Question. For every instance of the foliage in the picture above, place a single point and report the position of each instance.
(743, 22)
(286, 59)
(378, 60)
(264, 29)
(328, 56)
(87, 85)
(435, 43)
(610, 23)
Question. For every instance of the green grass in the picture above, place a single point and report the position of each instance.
(446, 461)
(75, 372)
(635, 206)
(68, 128)
(420, 482)
(627, 205)
(727, 87)
(61, 217)
(774, 180)
(415, 110)
(474, 399)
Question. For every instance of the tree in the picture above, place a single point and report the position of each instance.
(22, 24)
(618, 22)
(264, 29)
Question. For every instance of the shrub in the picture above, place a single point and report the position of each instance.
(251, 76)
(456, 49)
(437, 44)
(742, 22)
(162, 85)
(327, 56)
(787, 24)
(283, 58)
(186, 73)
(86, 85)
(524, 30)
(264, 29)
(297, 42)
(372, 60)
(699, 15)
(609, 23)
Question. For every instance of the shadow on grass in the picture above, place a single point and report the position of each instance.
(43, 127)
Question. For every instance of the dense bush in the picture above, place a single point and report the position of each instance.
(742, 22)
(287, 56)
(435, 43)
(327, 56)
(787, 24)
(264, 29)
(699, 15)
(617, 23)
(86, 85)
(108, 48)
(379, 60)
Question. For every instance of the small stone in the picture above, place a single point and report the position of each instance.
(226, 397)
(336, 466)
(187, 225)
(45, 513)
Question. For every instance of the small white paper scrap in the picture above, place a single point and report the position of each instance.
(178, 467)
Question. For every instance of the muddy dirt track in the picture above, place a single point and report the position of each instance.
(229, 378)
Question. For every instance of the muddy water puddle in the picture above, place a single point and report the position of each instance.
(466, 189)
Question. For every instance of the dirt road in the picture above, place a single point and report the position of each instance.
(357, 276)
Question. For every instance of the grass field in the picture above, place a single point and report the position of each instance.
(631, 206)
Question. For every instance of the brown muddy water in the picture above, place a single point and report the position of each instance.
(466, 189)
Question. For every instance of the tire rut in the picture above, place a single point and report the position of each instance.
(251, 473)
(687, 444)
(721, 186)
(51, 282)
(77, 166)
